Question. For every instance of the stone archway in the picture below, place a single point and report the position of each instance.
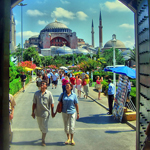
(59, 41)
(141, 8)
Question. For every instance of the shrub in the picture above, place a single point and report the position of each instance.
(15, 85)
(133, 95)
(105, 86)
(133, 82)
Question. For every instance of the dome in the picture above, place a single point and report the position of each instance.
(81, 51)
(64, 50)
(56, 25)
(119, 44)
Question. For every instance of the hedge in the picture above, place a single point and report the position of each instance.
(15, 85)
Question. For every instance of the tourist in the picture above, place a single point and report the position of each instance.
(12, 104)
(70, 107)
(83, 75)
(99, 86)
(111, 92)
(23, 80)
(73, 82)
(45, 77)
(64, 82)
(42, 103)
(38, 81)
(85, 84)
(54, 80)
(78, 85)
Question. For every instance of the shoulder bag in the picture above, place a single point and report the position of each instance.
(60, 105)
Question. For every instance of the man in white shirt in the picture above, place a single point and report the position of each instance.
(42, 102)
(55, 78)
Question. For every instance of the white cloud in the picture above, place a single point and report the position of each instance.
(129, 44)
(17, 22)
(43, 1)
(27, 34)
(92, 10)
(116, 6)
(81, 15)
(62, 13)
(42, 22)
(64, 2)
(35, 13)
(125, 25)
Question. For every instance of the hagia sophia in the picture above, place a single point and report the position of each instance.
(57, 39)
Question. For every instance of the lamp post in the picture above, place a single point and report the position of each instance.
(32, 70)
(64, 42)
(113, 41)
(21, 4)
(73, 58)
(91, 54)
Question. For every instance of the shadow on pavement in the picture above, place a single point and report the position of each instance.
(37, 143)
(98, 119)
(113, 132)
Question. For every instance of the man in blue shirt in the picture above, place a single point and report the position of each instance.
(111, 92)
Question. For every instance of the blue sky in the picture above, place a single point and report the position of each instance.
(77, 15)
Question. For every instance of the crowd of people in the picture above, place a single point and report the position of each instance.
(43, 102)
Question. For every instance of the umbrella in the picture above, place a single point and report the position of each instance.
(38, 68)
(63, 67)
(28, 69)
(125, 70)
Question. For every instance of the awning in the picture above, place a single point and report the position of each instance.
(125, 70)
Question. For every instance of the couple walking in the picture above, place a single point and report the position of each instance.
(42, 103)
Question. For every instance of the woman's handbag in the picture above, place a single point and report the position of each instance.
(60, 105)
(83, 82)
(98, 86)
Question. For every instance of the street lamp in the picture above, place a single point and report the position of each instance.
(91, 54)
(21, 4)
(73, 57)
(32, 70)
(113, 41)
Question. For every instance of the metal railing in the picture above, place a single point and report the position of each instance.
(130, 105)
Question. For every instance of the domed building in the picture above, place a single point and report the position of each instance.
(64, 50)
(119, 45)
(54, 34)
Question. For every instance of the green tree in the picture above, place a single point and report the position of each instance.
(32, 53)
(132, 54)
(108, 55)
(18, 53)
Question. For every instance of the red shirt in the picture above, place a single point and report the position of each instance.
(72, 80)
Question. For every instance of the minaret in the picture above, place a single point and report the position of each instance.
(100, 32)
(92, 34)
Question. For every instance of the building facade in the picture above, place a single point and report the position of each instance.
(54, 34)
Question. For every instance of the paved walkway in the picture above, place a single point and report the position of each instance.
(93, 94)
(94, 129)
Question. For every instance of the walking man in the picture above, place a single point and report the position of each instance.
(55, 78)
(42, 102)
(111, 92)
(23, 80)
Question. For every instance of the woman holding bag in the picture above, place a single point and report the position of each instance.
(69, 109)
(99, 86)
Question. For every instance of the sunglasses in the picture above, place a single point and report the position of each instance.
(43, 83)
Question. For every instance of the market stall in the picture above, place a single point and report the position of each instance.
(122, 90)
